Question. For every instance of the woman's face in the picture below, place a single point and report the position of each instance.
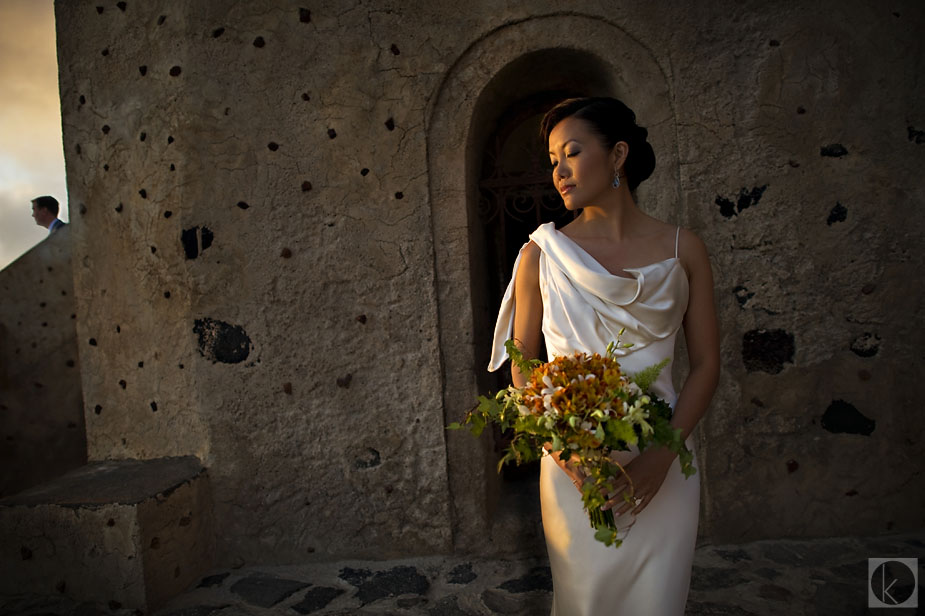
(582, 169)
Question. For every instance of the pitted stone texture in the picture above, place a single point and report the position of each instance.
(213, 580)
(737, 97)
(41, 416)
(120, 482)
(805, 583)
(363, 246)
(733, 556)
(265, 590)
(317, 599)
(802, 277)
(392, 583)
(448, 606)
(705, 578)
(716, 609)
(461, 574)
(199, 610)
(121, 533)
(539, 578)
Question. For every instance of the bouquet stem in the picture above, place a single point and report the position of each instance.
(602, 519)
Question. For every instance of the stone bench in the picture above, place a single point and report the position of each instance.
(122, 533)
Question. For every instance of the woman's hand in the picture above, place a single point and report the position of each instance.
(574, 472)
(647, 472)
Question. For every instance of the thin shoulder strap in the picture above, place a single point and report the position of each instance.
(676, 236)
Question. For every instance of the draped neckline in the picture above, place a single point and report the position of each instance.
(593, 261)
(585, 306)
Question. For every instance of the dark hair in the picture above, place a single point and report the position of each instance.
(47, 203)
(612, 121)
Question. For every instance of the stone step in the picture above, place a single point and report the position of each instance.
(123, 533)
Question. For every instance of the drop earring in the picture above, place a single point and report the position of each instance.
(616, 180)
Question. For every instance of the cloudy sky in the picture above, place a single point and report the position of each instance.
(31, 156)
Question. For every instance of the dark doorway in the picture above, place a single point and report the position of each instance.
(516, 195)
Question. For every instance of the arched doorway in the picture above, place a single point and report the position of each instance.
(488, 192)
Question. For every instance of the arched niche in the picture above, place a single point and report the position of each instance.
(551, 55)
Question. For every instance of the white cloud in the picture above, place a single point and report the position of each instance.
(31, 156)
(18, 232)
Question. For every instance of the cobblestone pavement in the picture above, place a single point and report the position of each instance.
(774, 577)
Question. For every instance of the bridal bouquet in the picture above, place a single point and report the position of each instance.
(584, 407)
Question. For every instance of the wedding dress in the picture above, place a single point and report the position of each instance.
(584, 308)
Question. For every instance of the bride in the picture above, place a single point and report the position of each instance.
(615, 268)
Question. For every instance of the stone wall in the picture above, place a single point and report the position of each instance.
(262, 273)
(41, 412)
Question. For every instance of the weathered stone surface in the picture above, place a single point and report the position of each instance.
(121, 533)
(392, 583)
(794, 589)
(197, 610)
(346, 185)
(854, 570)
(866, 345)
(716, 609)
(222, 342)
(317, 598)
(774, 592)
(841, 416)
(265, 590)
(839, 213)
(500, 602)
(539, 578)
(746, 198)
(448, 606)
(42, 432)
(767, 351)
(122, 482)
(461, 574)
(733, 556)
(213, 580)
(841, 598)
(703, 578)
(354, 576)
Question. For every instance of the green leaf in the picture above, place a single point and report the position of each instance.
(556, 443)
(606, 536)
(645, 377)
(526, 366)
(618, 430)
(478, 424)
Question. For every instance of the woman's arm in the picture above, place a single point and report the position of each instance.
(528, 324)
(528, 309)
(702, 335)
(647, 471)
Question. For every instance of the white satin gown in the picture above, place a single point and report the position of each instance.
(584, 308)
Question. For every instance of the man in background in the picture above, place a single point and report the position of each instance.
(45, 213)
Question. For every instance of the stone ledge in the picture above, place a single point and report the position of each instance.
(122, 482)
(123, 533)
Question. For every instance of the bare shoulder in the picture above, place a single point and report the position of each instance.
(664, 233)
(531, 252)
(692, 252)
(529, 268)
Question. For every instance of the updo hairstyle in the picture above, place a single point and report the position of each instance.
(612, 121)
